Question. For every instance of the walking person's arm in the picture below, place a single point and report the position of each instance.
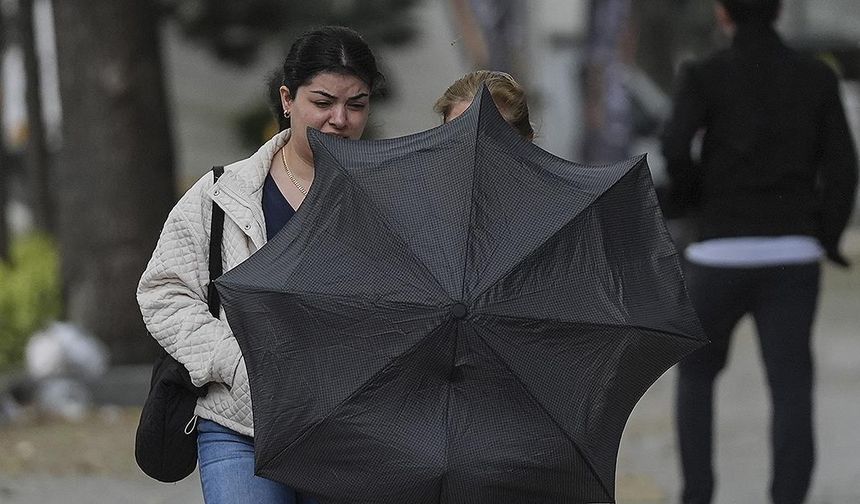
(688, 117)
(837, 161)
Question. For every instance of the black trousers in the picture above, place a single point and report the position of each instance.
(782, 301)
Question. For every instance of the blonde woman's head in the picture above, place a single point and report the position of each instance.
(508, 95)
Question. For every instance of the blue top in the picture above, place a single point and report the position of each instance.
(276, 209)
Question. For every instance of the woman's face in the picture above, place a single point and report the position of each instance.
(333, 103)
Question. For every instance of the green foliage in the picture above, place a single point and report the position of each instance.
(29, 293)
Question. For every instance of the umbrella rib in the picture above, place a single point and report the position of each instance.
(543, 408)
(593, 324)
(382, 218)
(471, 210)
(572, 221)
(323, 295)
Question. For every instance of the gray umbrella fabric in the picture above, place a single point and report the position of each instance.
(457, 316)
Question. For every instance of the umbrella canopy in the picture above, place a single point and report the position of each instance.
(457, 316)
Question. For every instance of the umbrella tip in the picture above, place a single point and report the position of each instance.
(459, 311)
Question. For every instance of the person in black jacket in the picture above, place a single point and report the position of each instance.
(770, 197)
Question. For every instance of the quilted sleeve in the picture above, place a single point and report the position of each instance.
(172, 295)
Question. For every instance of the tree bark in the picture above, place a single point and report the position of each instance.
(4, 227)
(115, 169)
(4, 154)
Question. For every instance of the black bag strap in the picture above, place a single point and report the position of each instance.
(216, 234)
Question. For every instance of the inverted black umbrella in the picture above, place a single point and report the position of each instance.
(457, 316)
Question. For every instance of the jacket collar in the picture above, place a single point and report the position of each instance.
(246, 177)
(239, 190)
(756, 37)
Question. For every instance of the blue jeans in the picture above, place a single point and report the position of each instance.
(226, 460)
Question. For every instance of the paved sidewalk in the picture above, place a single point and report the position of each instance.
(92, 462)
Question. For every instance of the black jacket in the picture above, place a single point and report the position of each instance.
(777, 155)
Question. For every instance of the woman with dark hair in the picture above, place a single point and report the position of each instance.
(329, 76)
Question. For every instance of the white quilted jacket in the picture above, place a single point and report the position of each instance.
(172, 290)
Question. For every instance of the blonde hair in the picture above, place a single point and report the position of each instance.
(508, 95)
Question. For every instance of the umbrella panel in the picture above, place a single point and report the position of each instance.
(605, 369)
(296, 381)
(454, 425)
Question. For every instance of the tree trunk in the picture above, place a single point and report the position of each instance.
(4, 199)
(36, 159)
(115, 167)
(4, 154)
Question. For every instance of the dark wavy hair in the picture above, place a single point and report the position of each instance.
(335, 49)
(752, 11)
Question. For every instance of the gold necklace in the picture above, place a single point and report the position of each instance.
(290, 174)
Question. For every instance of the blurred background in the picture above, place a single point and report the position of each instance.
(111, 109)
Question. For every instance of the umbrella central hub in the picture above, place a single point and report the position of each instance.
(459, 311)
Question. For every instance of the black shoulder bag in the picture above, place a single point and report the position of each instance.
(165, 445)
